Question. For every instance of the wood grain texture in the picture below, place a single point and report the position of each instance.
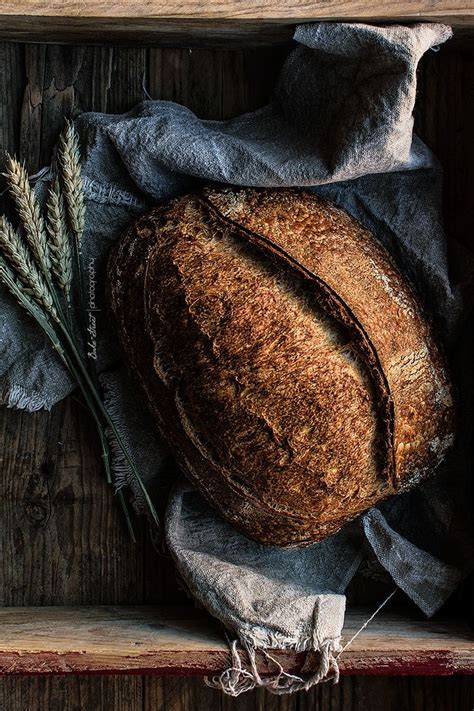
(11, 78)
(444, 120)
(238, 9)
(218, 22)
(63, 538)
(351, 694)
(391, 694)
(69, 693)
(126, 693)
(152, 640)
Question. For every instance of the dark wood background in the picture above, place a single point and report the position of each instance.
(61, 534)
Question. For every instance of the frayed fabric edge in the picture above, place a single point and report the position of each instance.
(243, 675)
(240, 677)
(18, 398)
(122, 474)
(121, 471)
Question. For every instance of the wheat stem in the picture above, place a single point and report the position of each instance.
(16, 288)
(109, 422)
(71, 179)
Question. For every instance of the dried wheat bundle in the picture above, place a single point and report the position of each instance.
(36, 266)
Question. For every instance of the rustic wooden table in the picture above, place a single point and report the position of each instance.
(62, 538)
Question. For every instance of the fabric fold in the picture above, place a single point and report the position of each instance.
(270, 598)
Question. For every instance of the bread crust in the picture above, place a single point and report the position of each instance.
(286, 360)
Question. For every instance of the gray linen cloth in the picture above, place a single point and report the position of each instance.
(341, 123)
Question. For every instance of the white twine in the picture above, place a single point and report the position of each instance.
(367, 622)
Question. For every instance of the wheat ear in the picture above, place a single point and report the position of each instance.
(24, 268)
(59, 244)
(69, 158)
(29, 213)
(23, 297)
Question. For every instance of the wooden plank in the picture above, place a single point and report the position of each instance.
(62, 533)
(351, 694)
(230, 34)
(11, 91)
(165, 33)
(190, 77)
(197, 22)
(153, 640)
(444, 120)
(171, 693)
(391, 694)
(239, 9)
(114, 693)
(70, 693)
(63, 540)
(128, 79)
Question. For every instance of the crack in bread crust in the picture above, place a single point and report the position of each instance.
(340, 310)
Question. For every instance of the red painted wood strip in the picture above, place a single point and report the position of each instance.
(152, 640)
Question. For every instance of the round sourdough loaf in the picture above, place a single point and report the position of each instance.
(286, 360)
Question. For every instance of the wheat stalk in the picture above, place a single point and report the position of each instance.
(68, 157)
(70, 169)
(22, 295)
(27, 269)
(29, 213)
(24, 267)
(59, 245)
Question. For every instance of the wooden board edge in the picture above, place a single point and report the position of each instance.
(441, 665)
(158, 642)
(214, 662)
(225, 33)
